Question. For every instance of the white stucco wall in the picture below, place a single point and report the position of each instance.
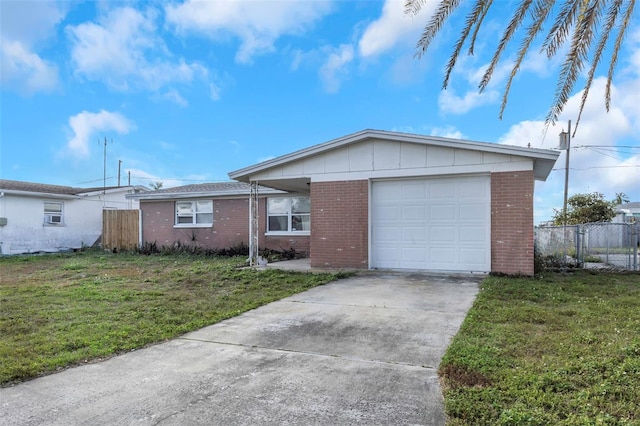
(26, 231)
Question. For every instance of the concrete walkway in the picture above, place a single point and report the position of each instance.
(362, 350)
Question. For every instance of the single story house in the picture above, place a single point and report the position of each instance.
(390, 200)
(216, 215)
(37, 217)
(627, 213)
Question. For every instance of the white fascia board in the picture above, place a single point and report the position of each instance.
(201, 195)
(243, 175)
(39, 194)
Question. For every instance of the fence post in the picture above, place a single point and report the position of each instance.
(578, 251)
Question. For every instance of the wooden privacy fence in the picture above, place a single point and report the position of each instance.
(120, 229)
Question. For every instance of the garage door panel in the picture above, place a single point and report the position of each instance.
(440, 234)
(413, 191)
(413, 213)
(442, 256)
(472, 234)
(472, 189)
(472, 256)
(414, 235)
(432, 223)
(390, 213)
(388, 234)
(441, 211)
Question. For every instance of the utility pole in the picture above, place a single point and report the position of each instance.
(129, 184)
(119, 167)
(565, 143)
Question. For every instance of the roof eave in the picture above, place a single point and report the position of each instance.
(39, 194)
(204, 194)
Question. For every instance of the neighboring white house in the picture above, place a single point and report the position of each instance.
(37, 217)
(627, 213)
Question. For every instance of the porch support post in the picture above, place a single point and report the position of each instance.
(253, 224)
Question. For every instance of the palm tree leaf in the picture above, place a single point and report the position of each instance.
(616, 48)
(483, 13)
(560, 29)
(514, 24)
(478, 12)
(541, 12)
(610, 20)
(413, 7)
(574, 60)
(445, 8)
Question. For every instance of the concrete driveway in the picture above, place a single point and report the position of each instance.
(362, 350)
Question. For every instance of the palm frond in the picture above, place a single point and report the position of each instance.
(610, 20)
(478, 12)
(513, 25)
(540, 13)
(486, 6)
(560, 29)
(575, 58)
(445, 8)
(413, 7)
(616, 48)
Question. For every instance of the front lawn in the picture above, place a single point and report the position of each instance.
(559, 350)
(62, 310)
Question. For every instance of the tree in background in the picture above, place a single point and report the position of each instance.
(621, 198)
(577, 22)
(156, 185)
(586, 208)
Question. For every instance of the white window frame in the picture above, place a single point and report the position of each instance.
(289, 215)
(193, 214)
(53, 217)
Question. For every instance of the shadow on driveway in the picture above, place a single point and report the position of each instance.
(362, 350)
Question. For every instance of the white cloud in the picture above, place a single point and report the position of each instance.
(447, 132)
(24, 70)
(214, 91)
(86, 124)
(449, 102)
(123, 50)
(334, 69)
(23, 25)
(174, 96)
(393, 27)
(257, 24)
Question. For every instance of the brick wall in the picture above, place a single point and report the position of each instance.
(339, 224)
(230, 227)
(512, 222)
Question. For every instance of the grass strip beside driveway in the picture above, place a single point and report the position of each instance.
(561, 350)
(62, 310)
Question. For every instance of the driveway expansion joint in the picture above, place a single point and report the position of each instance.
(292, 351)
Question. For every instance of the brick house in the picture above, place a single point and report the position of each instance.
(400, 201)
(216, 215)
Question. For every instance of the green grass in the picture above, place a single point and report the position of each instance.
(62, 310)
(559, 350)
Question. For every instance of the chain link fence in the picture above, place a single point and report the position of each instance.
(590, 245)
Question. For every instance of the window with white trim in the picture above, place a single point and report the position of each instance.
(194, 213)
(289, 214)
(53, 213)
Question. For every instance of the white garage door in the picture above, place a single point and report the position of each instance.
(432, 224)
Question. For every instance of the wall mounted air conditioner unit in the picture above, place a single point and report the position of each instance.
(53, 219)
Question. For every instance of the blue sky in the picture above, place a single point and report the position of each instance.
(185, 92)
